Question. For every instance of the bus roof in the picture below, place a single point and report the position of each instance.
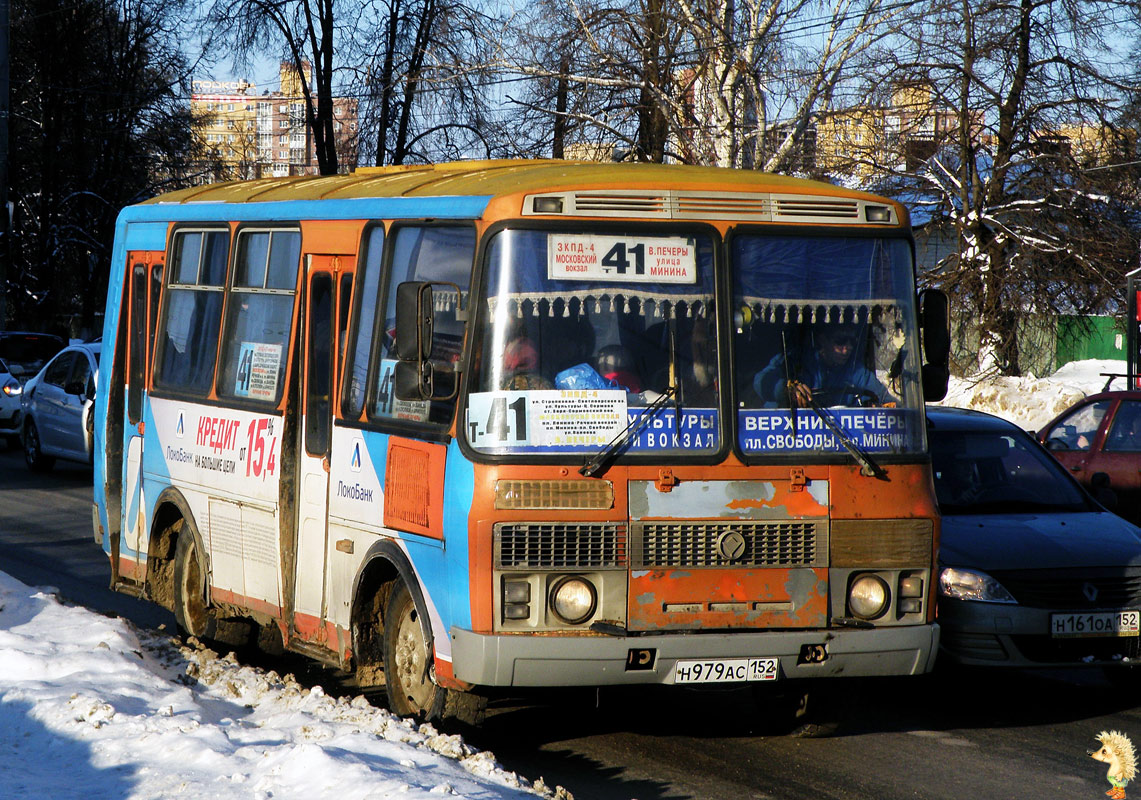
(495, 178)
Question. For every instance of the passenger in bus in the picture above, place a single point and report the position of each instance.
(521, 366)
(615, 363)
(830, 372)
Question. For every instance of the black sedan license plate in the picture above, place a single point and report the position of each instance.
(1102, 623)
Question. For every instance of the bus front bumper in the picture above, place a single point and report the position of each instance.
(553, 660)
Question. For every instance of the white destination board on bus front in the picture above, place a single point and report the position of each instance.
(645, 259)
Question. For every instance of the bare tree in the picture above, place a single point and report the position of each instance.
(97, 122)
(1032, 87)
(306, 33)
(723, 82)
(418, 69)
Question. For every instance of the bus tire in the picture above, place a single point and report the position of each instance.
(193, 616)
(408, 660)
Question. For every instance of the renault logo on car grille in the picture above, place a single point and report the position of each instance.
(1090, 591)
(731, 545)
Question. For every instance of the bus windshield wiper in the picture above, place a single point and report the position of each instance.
(603, 458)
(868, 467)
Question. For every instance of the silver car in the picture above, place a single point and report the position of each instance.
(58, 408)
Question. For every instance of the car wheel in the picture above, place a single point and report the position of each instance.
(33, 454)
(408, 660)
(193, 616)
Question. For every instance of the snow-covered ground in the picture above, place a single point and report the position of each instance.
(92, 707)
(1032, 402)
(95, 708)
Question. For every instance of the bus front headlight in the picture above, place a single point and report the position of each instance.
(868, 597)
(573, 599)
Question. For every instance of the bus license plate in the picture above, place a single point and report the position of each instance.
(726, 670)
(1107, 623)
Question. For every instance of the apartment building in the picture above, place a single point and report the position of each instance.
(240, 134)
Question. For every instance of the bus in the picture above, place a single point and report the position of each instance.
(471, 427)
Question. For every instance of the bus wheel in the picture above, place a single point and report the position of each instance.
(190, 611)
(408, 660)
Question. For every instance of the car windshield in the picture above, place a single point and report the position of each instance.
(987, 472)
(825, 325)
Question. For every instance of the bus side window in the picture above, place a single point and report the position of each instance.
(364, 323)
(259, 315)
(442, 254)
(137, 344)
(192, 314)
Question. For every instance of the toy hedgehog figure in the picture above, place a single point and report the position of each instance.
(1117, 751)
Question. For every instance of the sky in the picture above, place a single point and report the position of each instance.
(95, 708)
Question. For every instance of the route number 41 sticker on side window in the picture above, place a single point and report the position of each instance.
(640, 259)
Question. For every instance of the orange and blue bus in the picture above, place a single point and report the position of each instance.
(503, 424)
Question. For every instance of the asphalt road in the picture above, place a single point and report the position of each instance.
(954, 735)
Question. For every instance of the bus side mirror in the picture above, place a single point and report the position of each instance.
(416, 376)
(935, 327)
(413, 321)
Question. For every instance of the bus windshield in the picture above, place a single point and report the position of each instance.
(824, 341)
(583, 332)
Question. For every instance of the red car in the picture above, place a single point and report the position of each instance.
(1099, 438)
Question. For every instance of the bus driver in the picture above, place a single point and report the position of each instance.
(830, 372)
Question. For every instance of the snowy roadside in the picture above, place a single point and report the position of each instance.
(92, 707)
(1031, 402)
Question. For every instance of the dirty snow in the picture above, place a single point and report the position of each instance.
(93, 707)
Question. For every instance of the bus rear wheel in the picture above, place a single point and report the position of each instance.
(408, 660)
(190, 610)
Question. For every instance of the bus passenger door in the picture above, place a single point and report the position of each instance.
(318, 371)
(143, 295)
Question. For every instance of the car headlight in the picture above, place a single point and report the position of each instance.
(969, 584)
(573, 599)
(12, 388)
(868, 597)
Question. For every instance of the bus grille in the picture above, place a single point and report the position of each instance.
(785, 543)
(555, 545)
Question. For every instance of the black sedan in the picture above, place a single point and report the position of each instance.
(1032, 570)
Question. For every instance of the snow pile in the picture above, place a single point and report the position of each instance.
(1031, 402)
(92, 707)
